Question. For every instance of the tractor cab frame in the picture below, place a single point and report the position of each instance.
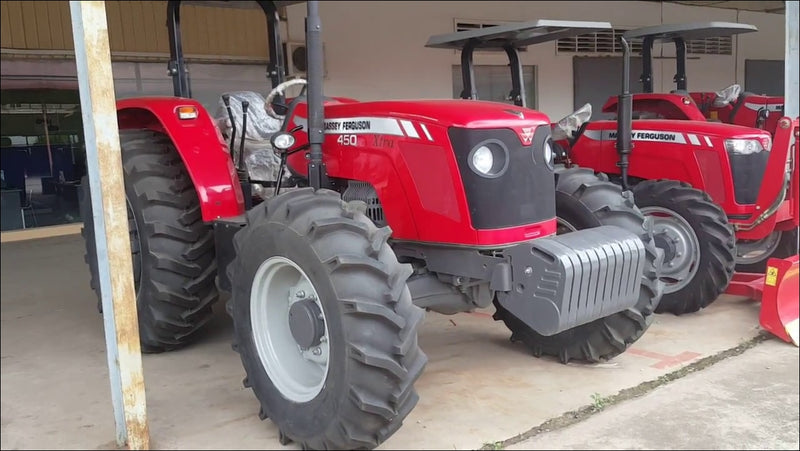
(679, 34)
(729, 105)
(509, 38)
(176, 67)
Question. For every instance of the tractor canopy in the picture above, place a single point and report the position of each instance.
(679, 34)
(177, 64)
(509, 38)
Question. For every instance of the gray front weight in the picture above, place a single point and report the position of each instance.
(563, 281)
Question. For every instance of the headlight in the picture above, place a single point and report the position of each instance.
(282, 141)
(483, 160)
(489, 158)
(548, 153)
(743, 146)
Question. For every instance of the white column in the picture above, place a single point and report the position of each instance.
(104, 167)
(791, 61)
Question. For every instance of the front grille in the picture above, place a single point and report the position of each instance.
(523, 194)
(748, 173)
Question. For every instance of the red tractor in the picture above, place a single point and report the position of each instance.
(722, 196)
(729, 105)
(397, 207)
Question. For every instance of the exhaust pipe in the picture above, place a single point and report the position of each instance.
(316, 114)
(624, 115)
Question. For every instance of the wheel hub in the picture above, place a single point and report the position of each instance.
(680, 244)
(305, 323)
(664, 242)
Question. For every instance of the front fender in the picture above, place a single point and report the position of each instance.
(200, 145)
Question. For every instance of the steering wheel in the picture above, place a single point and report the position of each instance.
(279, 90)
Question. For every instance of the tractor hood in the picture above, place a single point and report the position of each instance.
(456, 113)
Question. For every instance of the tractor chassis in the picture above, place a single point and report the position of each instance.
(552, 284)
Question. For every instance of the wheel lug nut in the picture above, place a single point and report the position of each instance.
(317, 351)
(671, 264)
(300, 294)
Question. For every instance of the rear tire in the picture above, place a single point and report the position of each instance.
(372, 356)
(786, 246)
(172, 248)
(706, 225)
(585, 200)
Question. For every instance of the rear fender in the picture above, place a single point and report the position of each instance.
(200, 145)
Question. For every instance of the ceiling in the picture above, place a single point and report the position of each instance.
(777, 7)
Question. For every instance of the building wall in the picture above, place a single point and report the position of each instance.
(138, 27)
(376, 50)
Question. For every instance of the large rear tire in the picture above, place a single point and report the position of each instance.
(780, 244)
(698, 242)
(172, 248)
(585, 200)
(307, 251)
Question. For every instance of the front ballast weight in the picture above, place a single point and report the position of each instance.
(552, 284)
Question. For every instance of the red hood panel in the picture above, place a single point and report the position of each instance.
(458, 113)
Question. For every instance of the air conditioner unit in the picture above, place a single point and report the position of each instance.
(295, 61)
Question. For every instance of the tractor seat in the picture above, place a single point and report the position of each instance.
(261, 162)
(572, 125)
(260, 126)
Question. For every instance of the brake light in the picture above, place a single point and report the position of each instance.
(186, 112)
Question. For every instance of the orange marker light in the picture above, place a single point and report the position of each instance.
(186, 112)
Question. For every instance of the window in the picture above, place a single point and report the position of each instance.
(601, 42)
(494, 83)
(607, 42)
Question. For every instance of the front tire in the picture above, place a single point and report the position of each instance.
(173, 253)
(784, 245)
(362, 311)
(585, 200)
(698, 242)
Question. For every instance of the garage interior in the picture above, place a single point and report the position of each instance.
(479, 389)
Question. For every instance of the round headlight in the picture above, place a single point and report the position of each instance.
(482, 160)
(488, 158)
(548, 153)
(282, 141)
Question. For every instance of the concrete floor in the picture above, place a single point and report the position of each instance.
(478, 387)
(746, 402)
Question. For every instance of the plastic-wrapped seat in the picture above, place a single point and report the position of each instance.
(260, 160)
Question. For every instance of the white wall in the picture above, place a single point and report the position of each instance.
(375, 50)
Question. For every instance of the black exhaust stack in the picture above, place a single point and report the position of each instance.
(624, 115)
(316, 114)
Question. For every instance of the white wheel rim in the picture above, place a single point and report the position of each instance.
(299, 374)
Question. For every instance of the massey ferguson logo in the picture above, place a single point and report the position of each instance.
(527, 135)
